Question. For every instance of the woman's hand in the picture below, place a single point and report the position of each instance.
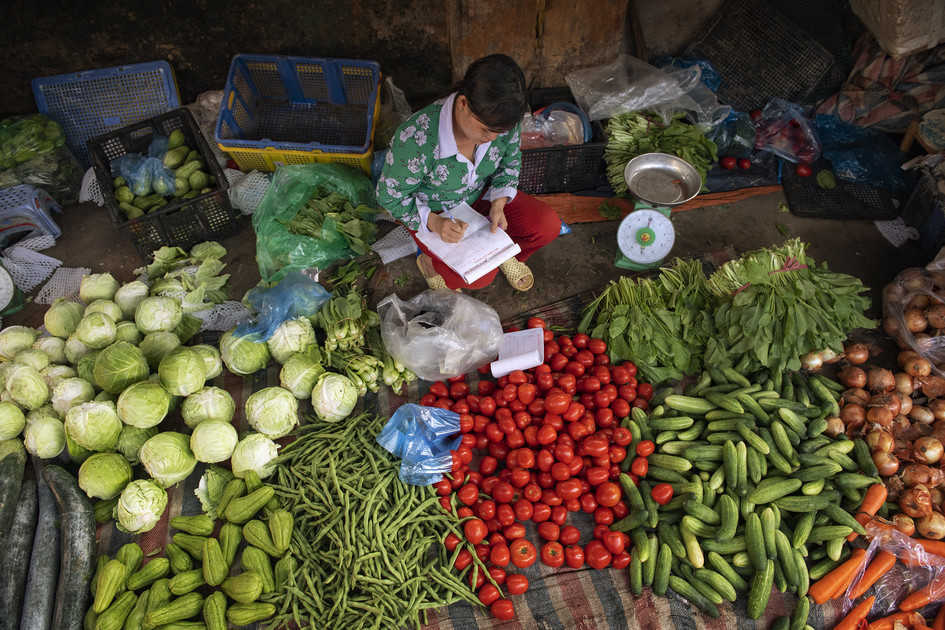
(497, 214)
(451, 231)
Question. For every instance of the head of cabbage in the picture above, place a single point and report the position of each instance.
(293, 335)
(53, 374)
(129, 296)
(213, 441)
(118, 366)
(62, 317)
(167, 458)
(143, 405)
(299, 373)
(272, 411)
(209, 403)
(96, 330)
(254, 452)
(77, 454)
(157, 345)
(157, 314)
(53, 347)
(12, 421)
(71, 392)
(97, 286)
(140, 506)
(131, 439)
(127, 331)
(75, 349)
(104, 475)
(94, 425)
(211, 359)
(242, 355)
(85, 368)
(36, 359)
(15, 338)
(182, 372)
(26, 387)
(334, 397)
(107, 307)
(44, 437)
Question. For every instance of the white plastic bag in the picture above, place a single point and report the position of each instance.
(440, 334)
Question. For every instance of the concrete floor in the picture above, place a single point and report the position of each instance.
(571, 264)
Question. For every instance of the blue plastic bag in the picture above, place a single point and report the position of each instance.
(295, 296)
(158, 147)
(144, 175)
(861, 154)
(422, 437)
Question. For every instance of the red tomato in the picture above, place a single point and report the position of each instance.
(488, 465)
(620, 407)
(443, 403)
(585, 358)
(577, 464)
(616, 542)
(463, 560)
(569, 489)
(494, 432)
(564, 453)
(645, 448)
(560, 472)
(549, 531)
(427, 400)
(488, 484)
(517, 377)
(594, 446)
(439, 389)
(645, 391)
(620, 510)
(574, 367)
(622, 436)
(482, 552)
(505, 515)
(568, 535)
(468, 494)
(597, 555)
(480, 580)
(621, 560)
(573, 505)
(545, 381)
(555, 421)
(541, 512)
(503, 492)
(589, 384)
(574, 556)
(547, 434)
(551, 349)
(803, 170)
(485, 509)
(600, 531)
(532, 492)
(544, 460)
(662, 493)
(516, 584)
(545, 480)
(523, 509)
(521, 477)
(568, 384)
(536, 322)
(639, 466)
(597, 346)
(522, 419)
(495, 537)
(596, 475)
(475, 530)
(558, 361)
(498, 574)
(451, 541)
(608, 494)
(588, 503)
(557, 403)
(601, 359)
(627, 392)
(443, 487)
(526, 458)
(605, 417)
(620, 375)
(552, 554)
(603, 515)
(537, 406)
(488, 594)
(728, 162)
(502, 609)
(487, 406)
(640, 403)
(499, 555)
(744, 164)
(616, 453)
(559, 515)
(531, 435)
(523, 553)
(485, 387)
(465, 512)
(458, 390)
(550, 497)
(527, 393)
(445, 504)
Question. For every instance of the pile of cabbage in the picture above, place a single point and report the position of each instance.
(102, 385)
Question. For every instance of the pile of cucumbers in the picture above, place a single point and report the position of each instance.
(762, 497)
(150, 194)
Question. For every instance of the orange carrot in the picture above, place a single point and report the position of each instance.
(882, 563)
(936, 547)
(888, 623)
(872, 501)
(920, 626)
(939, 623)
(855, 616)
(823, 589)
(925, 595)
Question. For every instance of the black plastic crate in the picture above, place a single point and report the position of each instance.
(563, 168)
(849, 200)
(925, 211)
(182, 222)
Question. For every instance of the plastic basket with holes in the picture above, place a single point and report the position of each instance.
(182, 222)
(295, 110)
(26, 212)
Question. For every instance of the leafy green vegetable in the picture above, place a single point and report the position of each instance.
(210, 489)
(610, 211)
(328, 212)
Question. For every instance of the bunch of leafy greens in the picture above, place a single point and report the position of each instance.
(194, 278)
(333, 212)
(635, 133)
(764, 310)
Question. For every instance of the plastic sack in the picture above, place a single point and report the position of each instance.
(710, 76)
(913, 306)
(278, 251)
(144, 175)
(860, 154)
(158, 146)
(205, 111)
(394, 110)
(295, 296)
(784, 130)
(56, 172)
(23, 138)
(734, 136)
(557, 127)
(629, 84)
(422, 437)
(440, 334)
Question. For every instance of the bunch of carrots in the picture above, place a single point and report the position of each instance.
(837, 582)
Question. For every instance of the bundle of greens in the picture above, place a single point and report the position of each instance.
(364, 370)
(776, 305)
(194, 278)
(345, 320)
(331, 212)
(635, 133)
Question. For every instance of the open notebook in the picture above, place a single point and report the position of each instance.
(479, 252)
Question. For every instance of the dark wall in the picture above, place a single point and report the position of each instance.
(46, 37)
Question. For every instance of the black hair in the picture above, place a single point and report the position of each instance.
(494, 86)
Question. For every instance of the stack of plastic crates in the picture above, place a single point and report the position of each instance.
(26, 212)
(90, 103)
(296, 110)
(182, 222)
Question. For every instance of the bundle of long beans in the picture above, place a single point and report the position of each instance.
(368, 549)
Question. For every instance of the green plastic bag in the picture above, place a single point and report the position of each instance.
(278, 251)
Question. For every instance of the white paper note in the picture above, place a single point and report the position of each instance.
(520, 351)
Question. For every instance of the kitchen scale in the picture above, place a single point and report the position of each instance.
(659, 181)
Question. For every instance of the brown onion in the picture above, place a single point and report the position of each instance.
(891, 326)
(834, 426)
(919, 301)
(937, 407)
(894, 293)
(829, 356)
(889, 401)
(880, 415)
(917, 367)
(932, 526)
(852, 376)
(937, 496)
(905, 405)
(880, 380)
(935, 314)
(915, 320)
(853, 416)
(886, 463)
(916, 501)
(922, 415)
(812, 361)
(913, 279)
(932, 386)
(857, 353)
(927, 450)
(906, 355)
(920, 474)
(904, 524)
(904, 384)
(856, 395)
(879, 440)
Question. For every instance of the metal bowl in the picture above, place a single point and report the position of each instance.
(662, 179)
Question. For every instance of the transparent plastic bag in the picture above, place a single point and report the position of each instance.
(144, 175)
(57, 172)
(394, 110)
(278, 251)
(158, 147)
(734, 136)
(913, 308)
(205, 111)
(23, 138)
(295, 296)
(557, 127)
(784, 130)
(440, 334)
(422, 437)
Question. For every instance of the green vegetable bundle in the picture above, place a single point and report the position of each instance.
(194, 278)
(333, 212)
(635, 133)
(345, 320)
(367, 548)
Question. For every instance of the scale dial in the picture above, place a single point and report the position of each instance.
(645, 236)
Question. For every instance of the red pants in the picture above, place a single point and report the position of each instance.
(532, 224)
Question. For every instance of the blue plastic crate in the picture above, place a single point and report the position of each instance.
(298, 110)
(26, 211)
(93, 102)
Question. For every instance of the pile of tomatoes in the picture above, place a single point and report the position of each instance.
(536, 445)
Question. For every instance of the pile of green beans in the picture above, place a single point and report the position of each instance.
(367, 547)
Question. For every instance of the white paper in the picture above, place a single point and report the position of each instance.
(479, 252)
(519, 351)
